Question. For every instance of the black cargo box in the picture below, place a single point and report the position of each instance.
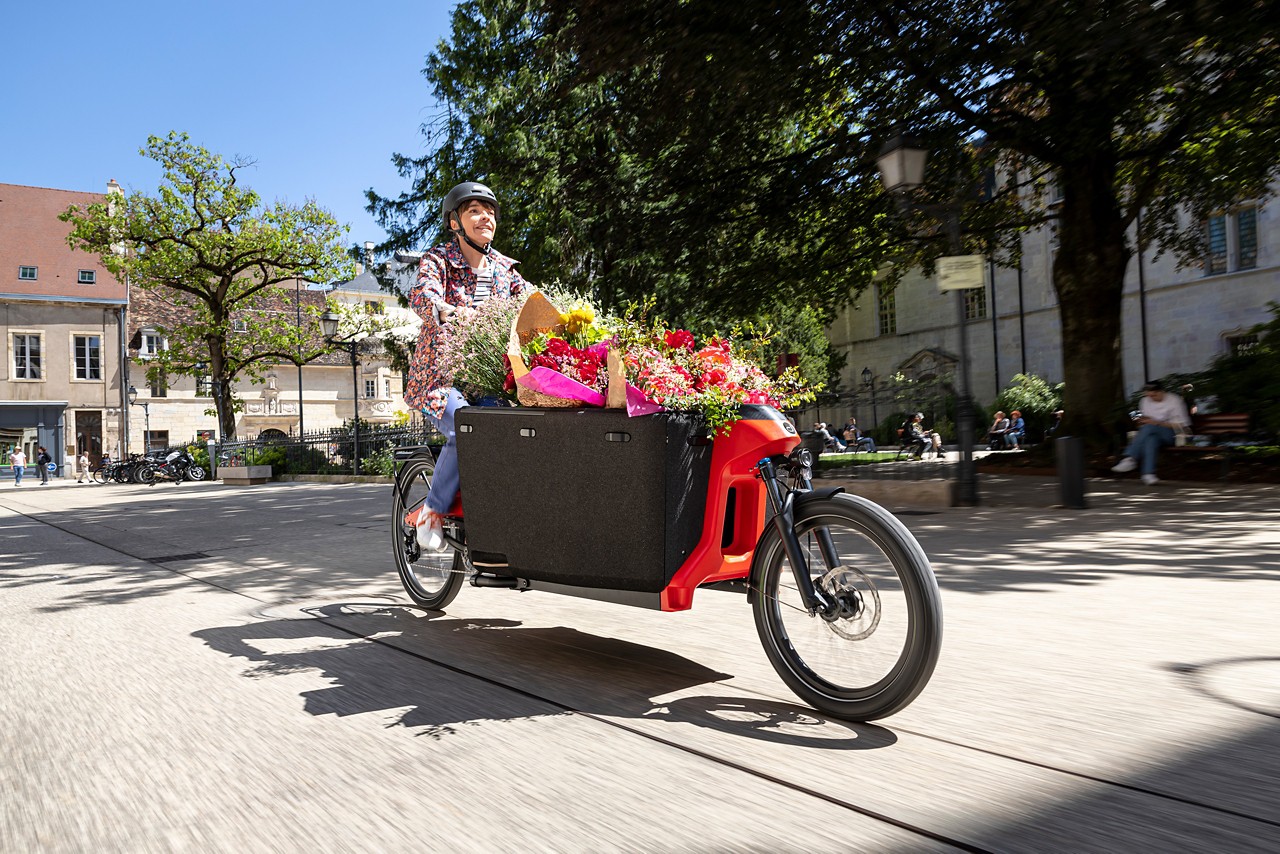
(584, 497)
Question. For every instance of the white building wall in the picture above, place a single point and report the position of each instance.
(1189, 316)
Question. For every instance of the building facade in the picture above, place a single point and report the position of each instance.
(1175, 319)
(322, 394)
(62, 322)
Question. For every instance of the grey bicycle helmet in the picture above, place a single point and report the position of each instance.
(459, 196)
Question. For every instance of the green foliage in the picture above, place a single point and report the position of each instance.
(383, 463)
(1035, 398)
(200, 453)
(593, 196)
(209, 246)
(1250, 381)
(767, 121)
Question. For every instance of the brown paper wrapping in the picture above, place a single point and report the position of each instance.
(540, 315)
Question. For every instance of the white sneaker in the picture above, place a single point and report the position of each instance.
(430, 529)
(431, 535)
(1126, 464)
(1150, 479)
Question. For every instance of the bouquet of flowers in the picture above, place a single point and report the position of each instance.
(671, 369)
(473, 345)
(530, 350)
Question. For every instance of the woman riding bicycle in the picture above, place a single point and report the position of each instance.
(453, 277)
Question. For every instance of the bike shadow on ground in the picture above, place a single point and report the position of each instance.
(437, 674)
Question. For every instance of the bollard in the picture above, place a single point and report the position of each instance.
(1070, 454)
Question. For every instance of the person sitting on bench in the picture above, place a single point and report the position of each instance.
(1017, 429)
(829, 442)
(1161, 416)
(857, 439)
(996, 432)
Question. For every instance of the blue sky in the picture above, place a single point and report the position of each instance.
(319, 93)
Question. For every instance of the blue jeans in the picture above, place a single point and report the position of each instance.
(17, 475)
(1146, 444)
(868, 443)
(444, 481)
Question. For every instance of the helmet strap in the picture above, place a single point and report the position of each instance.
(462, 232)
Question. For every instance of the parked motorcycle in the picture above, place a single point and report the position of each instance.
(177, 466)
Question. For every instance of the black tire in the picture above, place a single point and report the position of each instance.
(145, 474)
(875, 660)
(195, 472)
(431, 579)
(101, 476)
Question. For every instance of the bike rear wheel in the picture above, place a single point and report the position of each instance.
(876, 656)
(145, 474)
(431, 579)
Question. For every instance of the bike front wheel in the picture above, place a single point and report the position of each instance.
(195, 472)
(431, 579)
(875, 655)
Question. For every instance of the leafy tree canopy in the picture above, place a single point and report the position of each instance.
(1158, 111)
(210, 247)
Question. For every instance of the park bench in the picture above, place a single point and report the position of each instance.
(1216, 433)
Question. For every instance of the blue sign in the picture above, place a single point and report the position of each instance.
(51, 466)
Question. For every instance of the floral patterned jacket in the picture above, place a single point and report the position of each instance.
(445, 278)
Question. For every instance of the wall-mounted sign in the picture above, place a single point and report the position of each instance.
(961, 272)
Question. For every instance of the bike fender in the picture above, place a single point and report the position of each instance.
(799, 499)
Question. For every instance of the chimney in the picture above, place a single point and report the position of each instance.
(113, 189)
(368, 255)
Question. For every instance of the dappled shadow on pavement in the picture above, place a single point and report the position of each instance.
(286, 540)
(1190, 532)
(283, 539)
(451, 675)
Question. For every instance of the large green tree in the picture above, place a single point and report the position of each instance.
(584, 205)
(210, 247)
(1155, 113)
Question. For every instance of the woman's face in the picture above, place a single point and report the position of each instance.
(479, 221)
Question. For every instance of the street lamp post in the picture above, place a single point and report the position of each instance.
(901, 163)
(869, 383)
(329, 325)
(146, 415)
(297, 305)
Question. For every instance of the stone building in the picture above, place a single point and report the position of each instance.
(1175, 320)
(318, 396)
(62, 320)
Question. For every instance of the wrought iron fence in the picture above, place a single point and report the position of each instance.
(328, 451)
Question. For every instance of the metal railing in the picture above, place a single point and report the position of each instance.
(327, 451)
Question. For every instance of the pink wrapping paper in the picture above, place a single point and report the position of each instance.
(638, 404)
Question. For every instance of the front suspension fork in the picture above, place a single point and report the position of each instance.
(784, 521)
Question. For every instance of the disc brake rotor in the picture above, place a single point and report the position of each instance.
(859, 599)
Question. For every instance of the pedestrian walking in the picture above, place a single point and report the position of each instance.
(82, 462)
(42, 460)
(18, 460)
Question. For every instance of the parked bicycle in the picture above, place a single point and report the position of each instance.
(644, 511)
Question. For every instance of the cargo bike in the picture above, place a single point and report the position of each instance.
(645, 510)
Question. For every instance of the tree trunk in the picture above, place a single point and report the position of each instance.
(223, 399)
(1088, 275)
(224, 403)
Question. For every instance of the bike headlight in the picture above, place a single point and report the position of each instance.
(801, 456)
